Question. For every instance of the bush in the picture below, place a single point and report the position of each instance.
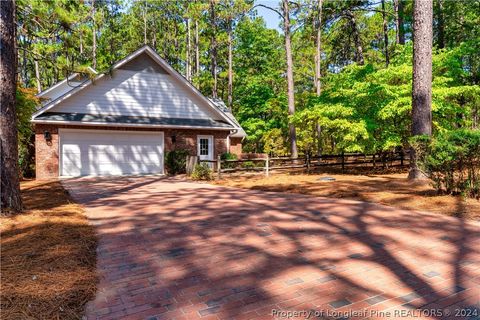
(202, 171)
(452, 161)
(248, 164)
(176, 160)
(228, 156)
(27, 104)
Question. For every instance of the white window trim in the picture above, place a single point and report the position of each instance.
(211, 146)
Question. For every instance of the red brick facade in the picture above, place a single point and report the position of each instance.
(236, 146)
(47, 153)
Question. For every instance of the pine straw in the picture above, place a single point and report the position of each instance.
(48, 256)
(393, 189)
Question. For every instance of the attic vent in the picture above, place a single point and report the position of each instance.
(143, 63)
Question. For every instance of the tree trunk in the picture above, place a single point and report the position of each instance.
(23, 35)
(440, 25)
(145, 22)
(422, 75)
(81, 42)
(230, 65)
(26, 78)
(154, 40)
(318, 70)
(94, 37)
(398, 5)
(356, 38)
(188, 65)
(37, 76)
(319, 139)
(318, 52)
(290, 83)
(213, 48)
(385, 33)
(197, 51)
(175, 56)
(10, 200)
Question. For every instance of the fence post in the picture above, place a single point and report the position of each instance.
(219, 166)
(267, 166)
(343, 162)
(191, 163)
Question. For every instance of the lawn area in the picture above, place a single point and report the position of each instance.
(388, 189)
(48, 256)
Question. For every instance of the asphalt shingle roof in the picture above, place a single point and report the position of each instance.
(84, 117)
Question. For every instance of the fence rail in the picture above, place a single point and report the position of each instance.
(310, 163)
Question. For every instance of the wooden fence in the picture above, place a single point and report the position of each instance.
(309, 163)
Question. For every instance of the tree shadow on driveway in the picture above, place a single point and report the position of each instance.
(178, 250)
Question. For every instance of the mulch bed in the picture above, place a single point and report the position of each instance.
(48, 256)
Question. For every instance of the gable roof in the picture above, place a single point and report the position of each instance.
(65, 83)
(44, 116)
(240, 133)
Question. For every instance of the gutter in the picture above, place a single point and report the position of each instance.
(135, 125)
(228, 138)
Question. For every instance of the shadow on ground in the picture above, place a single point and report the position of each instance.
(179, 250)
(393, 190)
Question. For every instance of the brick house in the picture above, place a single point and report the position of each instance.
(124, 122)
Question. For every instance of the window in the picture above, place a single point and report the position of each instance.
(203, 146)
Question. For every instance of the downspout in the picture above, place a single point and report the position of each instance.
(232, 132)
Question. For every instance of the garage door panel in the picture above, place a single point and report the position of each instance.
(110, 153)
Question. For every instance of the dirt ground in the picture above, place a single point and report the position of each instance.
(48, 256)
(388, 189)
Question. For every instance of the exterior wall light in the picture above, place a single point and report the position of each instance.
(47, 135)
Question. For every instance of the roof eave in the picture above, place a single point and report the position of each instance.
(137, 125)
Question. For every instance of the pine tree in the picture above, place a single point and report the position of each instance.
(10, 200)
(422, 75)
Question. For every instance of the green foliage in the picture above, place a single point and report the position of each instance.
(367, 108)
(26, 106)
(248, 164)
(274, 142)
(228, 156)
(202, 171)
(260, 101)
(452, 160)
(362, 108)
(175, 161)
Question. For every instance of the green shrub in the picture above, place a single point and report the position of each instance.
(27, 104)
(452, 161)
(176, 160)
(228, 156)
(248, 164)
(202, 171)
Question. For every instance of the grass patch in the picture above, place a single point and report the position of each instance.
(388, 189)
(48, 256)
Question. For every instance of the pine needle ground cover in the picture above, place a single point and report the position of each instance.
(388, 189)
(48, 256)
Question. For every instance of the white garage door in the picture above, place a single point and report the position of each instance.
(99, 152)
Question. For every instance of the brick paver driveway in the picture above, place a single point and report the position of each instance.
(175, 249)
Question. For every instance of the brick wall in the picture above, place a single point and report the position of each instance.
(236, 146)
(47, 154)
